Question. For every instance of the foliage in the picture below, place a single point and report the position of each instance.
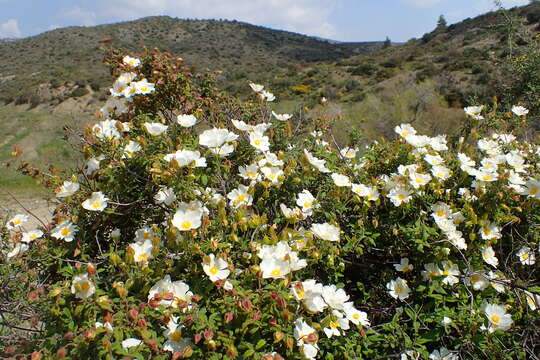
(245, 212)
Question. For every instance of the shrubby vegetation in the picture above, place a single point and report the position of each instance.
(203, 226)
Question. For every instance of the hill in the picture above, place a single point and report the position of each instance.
(73, 54)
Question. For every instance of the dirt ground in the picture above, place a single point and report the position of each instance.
(35, 207)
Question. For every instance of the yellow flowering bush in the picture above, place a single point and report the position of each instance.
(207, 227)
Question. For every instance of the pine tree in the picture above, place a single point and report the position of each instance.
(441, 23)
(387, 43)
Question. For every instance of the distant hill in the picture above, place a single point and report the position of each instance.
(72, 54)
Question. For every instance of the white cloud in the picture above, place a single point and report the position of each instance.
(304, 16)
(10, 29)
(79, 16)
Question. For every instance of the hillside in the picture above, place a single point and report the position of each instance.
(73, 54)
(57, 78)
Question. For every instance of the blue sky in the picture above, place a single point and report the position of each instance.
(345, 20)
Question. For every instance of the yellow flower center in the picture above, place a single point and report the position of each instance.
(486, 177)
(475, 278)
(147, 235)
(440, 213)
(419, 180)
(524, 256)
(96, 204)
(307, 204)
(176, 336)
(17, 222)
(300, 294)
(213, 270)
(85, 286)
(401, 197)
(65, 231)
(533, 191)
(144, 89)
(240, 198)
(276, 272)
(495, 319)
(356, 316)
(446, 272)
(398, 289)
(143, 257)
(257, 142)
(334, 324)
(405, 133)
(272, 176)
(186, 225)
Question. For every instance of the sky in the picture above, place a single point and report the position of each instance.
(343, 20)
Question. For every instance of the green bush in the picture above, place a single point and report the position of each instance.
(78, 92)
(192, 235)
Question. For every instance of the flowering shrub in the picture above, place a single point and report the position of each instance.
(206, 227)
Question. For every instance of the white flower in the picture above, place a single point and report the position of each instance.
(186, 158)
(145, 233)
(326, 231)
(310, 293)
(474, 112)
(155, 129)
(438, 143)
(337, 321)
(341, 180)
(450, 272)
(68, 188)
(175, 342)
(398, 289)
(520, 110)
(478, 280)
(216, 269)
(434, 160)
(18, 249)
(16, 221)
(489, 256)
(443, 354)
(270, 159)
(249, 172)
(399, 195)
(65, 231)
(490, 231)
(142, 251)
(307, 202)
(334, 297)
(319, 164)
(256, 87)
(279, 260)
(131, 61)
(169, 293)
(187, 218)
(532, 189)
(107, 326)
(526, 255)
(498, 318)
(348, 153)
(440, 172)
(131, 148)
(259, 141)
(143, 87)
(30, 236)
(369, 192)
(405, 130)
(404, 265)
(82, 287)
(266, 95)
(165, 196)
(106, 130)
(272, 173)
(240, 197)
(96, 202)
(186, 120)
(446, 321)
(282, 117)
(431, 271)
(418, 179)
(291, 213)
(215, 138)
(306, 338)
(533, 300)
(355, 316)
(131, 342)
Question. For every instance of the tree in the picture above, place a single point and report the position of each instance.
(387, 43)
(441, 23)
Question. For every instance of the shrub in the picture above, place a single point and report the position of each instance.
(78, 92)
(245, 239)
